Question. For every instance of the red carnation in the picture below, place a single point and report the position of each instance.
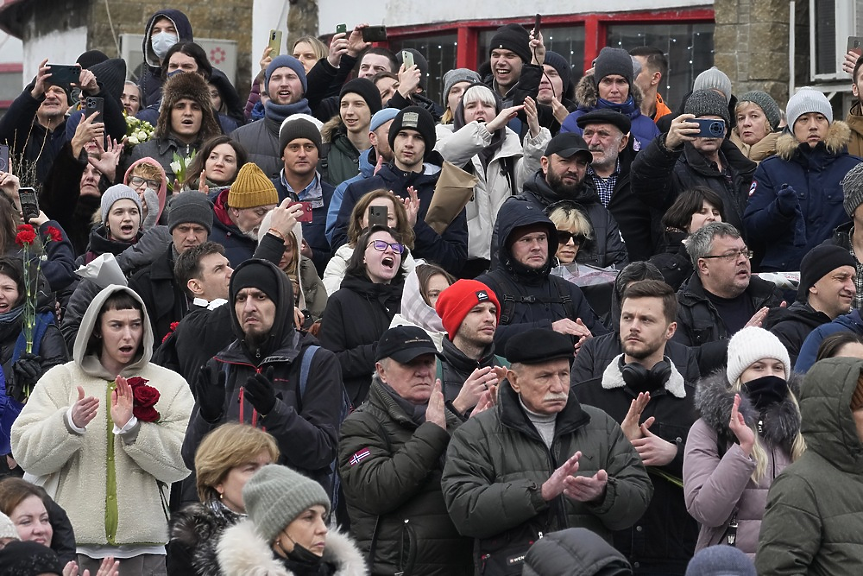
(55, 234)
(145, 396)
(148, 414)
(26, 235)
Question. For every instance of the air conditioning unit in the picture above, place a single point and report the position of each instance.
(221, 53)
(831, 22)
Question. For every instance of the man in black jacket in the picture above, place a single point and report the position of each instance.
(721, 296)
(469, 311)
(391, 455)
(826, 291)
(271, 376)
(645, 393)
(190, 222)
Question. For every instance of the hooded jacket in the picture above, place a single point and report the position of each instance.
(113, 486)
(855, 123)
(162, 193)
(158, 288)
(815, 175)
(242, 551)
(151, 79)
(587, 96)
(305, 426)
(808, 352)
(528, 288)
(663, 539)
(717, 484)
(793, 324)
(343, 159)
(574, 552)
(813, 523)
(100, 243)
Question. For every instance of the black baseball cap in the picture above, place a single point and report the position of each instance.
(605, 116)
(404, 344)
(567, 144)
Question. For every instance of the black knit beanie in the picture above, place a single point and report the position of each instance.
(366, 89)
(512, 37)
(819, 262)
(415, 118)
(255, 274)
(293, 128)
(563, 68)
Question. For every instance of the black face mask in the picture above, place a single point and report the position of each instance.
(766, 391)
(304, 556)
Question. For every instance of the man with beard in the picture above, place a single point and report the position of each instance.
(469, 312)
(642, 390)
(562, 177)
(258, 378)
(721, 296)
(239, 211)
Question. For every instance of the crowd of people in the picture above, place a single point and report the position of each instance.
(542, 326)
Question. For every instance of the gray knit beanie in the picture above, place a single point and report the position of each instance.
(720, 560)
(767, 104)
(714, 79)
(293, 128)
(115, 193)
(852, 186)
(190, 208)
(707, 103)
(453, 77)
(808, 100)
(750, 345)
(613, 61)
(276, 495)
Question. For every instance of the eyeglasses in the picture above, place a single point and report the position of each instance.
(381, 246)
(136, 181)
(734, 255)
(563, 237)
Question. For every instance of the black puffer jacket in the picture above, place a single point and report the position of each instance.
(355, 318)
(574, 552)
(165, 300)
(673, 260)
(793, 324)
(455, 368)
(195, 534)
(391, 474)
(305, 426)
(536, 295)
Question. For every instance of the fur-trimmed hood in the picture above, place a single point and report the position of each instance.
(242, 552)
(613, 378)
(838, 137)
(714, 400)
(192, 86)
(199, 529)
(587, 93)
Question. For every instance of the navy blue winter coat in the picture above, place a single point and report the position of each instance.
(815, 175)
(313, 232)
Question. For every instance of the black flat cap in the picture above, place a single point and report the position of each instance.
(604, 116)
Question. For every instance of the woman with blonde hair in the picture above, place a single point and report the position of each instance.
(574, 237)
(749, 431)
(397, 219)
(226, 459)
(308, 50)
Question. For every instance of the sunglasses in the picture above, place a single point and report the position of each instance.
(563, 237)
(382, 245)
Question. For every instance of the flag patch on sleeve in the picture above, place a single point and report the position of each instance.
(359, 456)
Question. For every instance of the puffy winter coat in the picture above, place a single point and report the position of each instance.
(815, 175)
(354, 320)
(717, 475)
(343, 159)
(761, 150)
(504, 176)
(497, 463)
(587, 96)
(575, 552)
(809, 351)
(813, 523)
(855, 122)
(391, 475)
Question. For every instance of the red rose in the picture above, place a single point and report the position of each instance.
(136, 381)
(26, 235)
(145, 396)
(148, 414)
(54, 234)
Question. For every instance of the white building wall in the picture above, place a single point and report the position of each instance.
(59, 47)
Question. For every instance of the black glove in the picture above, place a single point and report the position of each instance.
(210, 397)
(26, 372)
(786, 200)
(261, 393)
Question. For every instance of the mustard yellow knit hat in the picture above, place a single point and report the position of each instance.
(252, 188)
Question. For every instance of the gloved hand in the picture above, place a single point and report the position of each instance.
(152, 200)
(261, 393)
(210, 394)
(786, 200)
(26, 372)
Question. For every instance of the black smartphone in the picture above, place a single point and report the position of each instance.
(93, 104)
(4, 158)
(64, 74)
(29, 203)
(378, 216)
(341, 29)
(536, 22)
(710, 127)
(374, 33)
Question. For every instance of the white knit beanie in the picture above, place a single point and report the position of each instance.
(751, 345)
(115, 193)
(714, 79)
(7, 528)
(808, 100)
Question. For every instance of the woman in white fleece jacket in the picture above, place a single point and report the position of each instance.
(112, 453)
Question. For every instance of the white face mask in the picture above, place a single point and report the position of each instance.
(162, 42)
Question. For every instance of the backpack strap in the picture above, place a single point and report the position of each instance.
(565, 296)
(324, 161)
(306, 366)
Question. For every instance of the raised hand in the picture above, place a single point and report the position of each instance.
(121, 402)
(586, 488)
(42, 80)
(338, 46)
(682, 129)
(436, 410)
(630, 425)
(260, 392)
(210, 394)
(654, 451)
(505, 116)
(84, 409)
(556, 484)
(758, 318)
(737, 424)
(474, 387)
(412, 206)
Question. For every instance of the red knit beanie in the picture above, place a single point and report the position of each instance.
(455, 302)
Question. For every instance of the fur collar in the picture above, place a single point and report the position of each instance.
(199, 529)
(242, 551)
(587, 94)
(613, 378)
(838, 137)
(714, 399)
